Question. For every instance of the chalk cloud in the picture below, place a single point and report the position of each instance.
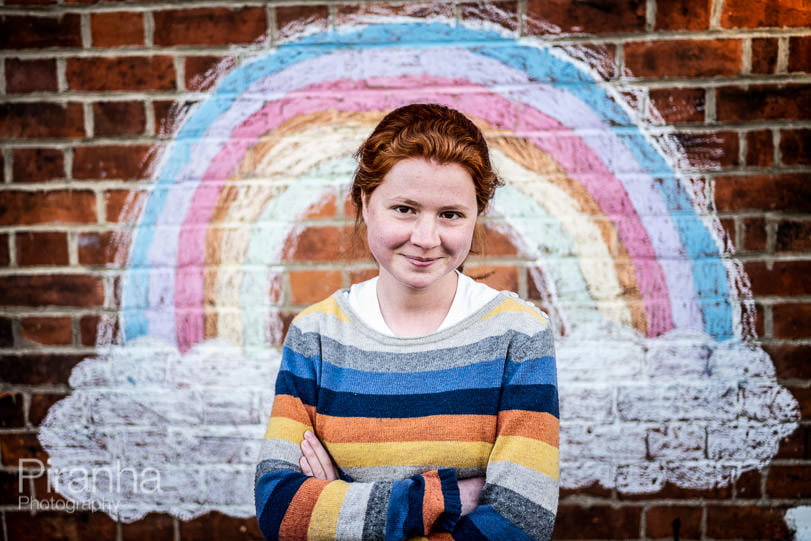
(636, 413)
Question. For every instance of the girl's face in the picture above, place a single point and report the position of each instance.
(420, 222)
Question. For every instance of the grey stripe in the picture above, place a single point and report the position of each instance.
(532, 485)
(279, 449)
(396, 473)
(536, 521)
(271, 465)
(374, 527)
(352, 517)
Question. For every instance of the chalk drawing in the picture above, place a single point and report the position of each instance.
(661, 377)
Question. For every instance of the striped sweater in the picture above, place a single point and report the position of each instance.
(404, 418)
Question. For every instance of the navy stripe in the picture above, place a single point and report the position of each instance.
(467, 531)
(413, 526)
(467, 401)
(540, 398)
(302, 388)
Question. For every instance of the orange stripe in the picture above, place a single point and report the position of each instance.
(433, 501)
(430, 428)
(292, 408)
(296, 520)
(530, 424)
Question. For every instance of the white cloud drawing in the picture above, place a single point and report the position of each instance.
(636, 413)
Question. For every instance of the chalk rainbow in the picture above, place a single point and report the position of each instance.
(597, 200)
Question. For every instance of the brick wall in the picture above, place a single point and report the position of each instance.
(90, 94)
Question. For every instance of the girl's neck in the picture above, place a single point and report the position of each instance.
(413, 312)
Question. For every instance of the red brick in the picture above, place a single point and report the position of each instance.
(799, 54)
(495, 243)
(792, 320)
(52, 290)
(326, 207)
(795, 147)
(215, 525)
(748, 484)
(124, 206)
(671, 491)
(130, 73)
(794, 236)
(168, 115)
(92, 332)
(310, 286)
(684, 58)
(154, 526)
(763, 102)
(783, 278)
(98, 248)
(679, 105)
(125, 162)
(755, 236)
(564, 16)
(117, 29)
(789, 193)
(597, 522)
(594, 489)
(745, 522)
(209, 26)
(765, 13)
(37, 164)
(26, 76)
(52, 207)
(759, 148)
(77, 526)
(683, 15)
(5, 255)
(368, 12)
(29, 2)
(803, 396)
(14, 447)
(358, 276)
(503, 14)
(42, 248)
(47, 331)
(40, 31)
(764, 55)
(12, 488)
(41, 120)
(677, 522)
(39, 369)
(790, 360)
(710, 150)
(6, 333)
(796, 445)
(291, 20)
(496, 276)
(40, 405)
(11, 410)
(728, 225)
(602, 58)
(202, 72)
(115, 118)
(318, 243)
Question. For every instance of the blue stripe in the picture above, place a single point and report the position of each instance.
(463, 402)
(281, 487)
(538, 398)
(494, 526)
(397, 511)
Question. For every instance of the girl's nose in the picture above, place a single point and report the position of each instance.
(425, 233)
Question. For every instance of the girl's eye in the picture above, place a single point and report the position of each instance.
(402, 209)
(452, 215)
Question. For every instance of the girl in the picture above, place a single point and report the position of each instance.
(419, 403)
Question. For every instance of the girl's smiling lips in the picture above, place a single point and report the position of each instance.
(420, 261)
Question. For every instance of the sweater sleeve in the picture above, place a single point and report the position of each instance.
(520, 497)
(291, 505)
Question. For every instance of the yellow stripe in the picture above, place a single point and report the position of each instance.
(328, 306)
(324, 519)
(286, 429)
(512, 305)
(452, 454)
(533, 454)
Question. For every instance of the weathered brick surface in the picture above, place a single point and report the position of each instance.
(117, 29)
(93, 90)
(26, 76)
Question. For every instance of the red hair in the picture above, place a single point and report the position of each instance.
(434, 132)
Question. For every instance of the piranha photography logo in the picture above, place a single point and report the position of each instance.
(99, 488)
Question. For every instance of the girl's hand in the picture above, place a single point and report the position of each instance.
(315, 460)
(469, 492)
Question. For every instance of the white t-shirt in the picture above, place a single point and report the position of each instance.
(470, 296)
